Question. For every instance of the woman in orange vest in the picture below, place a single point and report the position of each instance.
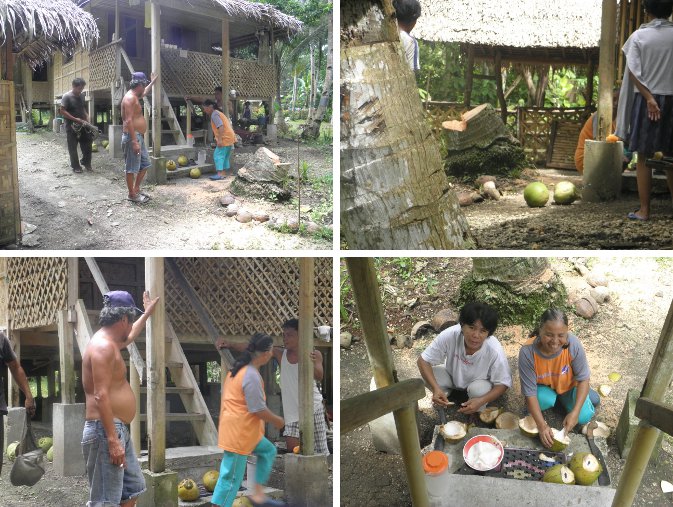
(241, 429)
(553, 368)
(224, 137)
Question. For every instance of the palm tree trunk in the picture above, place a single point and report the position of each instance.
(312, 129)
(517, 272)
(311, 94)
(394, 192)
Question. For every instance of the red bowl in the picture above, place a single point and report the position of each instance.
(482, 438)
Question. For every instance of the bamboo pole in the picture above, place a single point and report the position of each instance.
(306, 285)
(368, 302)
(606, 68)
(156, 366)
(156, 89)
(134, 381)
(590, 82)
(66, 357)
(656, 383)
(498, 86)
(225, 66)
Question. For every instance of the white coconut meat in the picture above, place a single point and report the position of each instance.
(601, 430)
(483, 455)
(453, 431)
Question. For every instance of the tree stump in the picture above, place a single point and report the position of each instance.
(263, 176)
(479, 143)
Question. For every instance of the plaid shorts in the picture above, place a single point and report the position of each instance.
(319, 430)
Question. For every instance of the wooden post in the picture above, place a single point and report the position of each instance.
(12, 387)
(156, 361)
(469, 76)
(156, 90)
(656, 383)
(591, 71)
(498, 86)
(117, 34)
(9, 57)
(606, 68)
(134, 381)
(92, 108)
(51, 380)
(226, 88)
(66, 337)
(370, 310)
(306, 285)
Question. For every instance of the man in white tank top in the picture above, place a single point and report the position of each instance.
(288, 359)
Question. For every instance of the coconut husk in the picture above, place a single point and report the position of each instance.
(507, 421)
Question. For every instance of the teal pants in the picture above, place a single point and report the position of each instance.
(547, 397)
(233, 467)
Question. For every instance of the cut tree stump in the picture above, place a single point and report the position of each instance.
(479, 143)
(263, 176)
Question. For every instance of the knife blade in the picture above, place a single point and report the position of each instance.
(439, 441)
(604, 478)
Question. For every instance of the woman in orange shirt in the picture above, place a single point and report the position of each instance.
(241, 429)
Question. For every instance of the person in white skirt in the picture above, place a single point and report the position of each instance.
(467, 357)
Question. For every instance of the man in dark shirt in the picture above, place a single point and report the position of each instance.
(7, 357)
(73, 109)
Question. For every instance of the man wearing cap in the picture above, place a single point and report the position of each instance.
(73, 109)
(112, 467)
(224, 137)
(7, 357)
(136, 157)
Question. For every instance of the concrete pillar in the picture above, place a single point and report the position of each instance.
(306, 479)
(67, 429)
(15, 422)
(115, 138)
(602, 178)
(156, 173)
(627, 427)
(162, 489)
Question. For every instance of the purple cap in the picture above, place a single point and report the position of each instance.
(120, 299)
(139, 76)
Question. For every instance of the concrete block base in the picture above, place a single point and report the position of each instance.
(602, 177)
(627, 427)
(162, 489)
(156, 173)
(384, 431)
(15, 423)
(306, 479)
(115, 138)
(67, 430)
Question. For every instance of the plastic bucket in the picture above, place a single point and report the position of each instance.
(201, 157)
(250, 469)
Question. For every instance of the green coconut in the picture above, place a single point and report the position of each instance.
(11, 450)
(536, 194)
(559, 474)
(561, 440)
(586, 468)
(195, 173)
(50, 454)
(105, 143)
(528, 427)
(188, 490)
(45, 443)
(183, 160)
(565, 193)
(209, 479)
(94, 147)
(242, 501)
(171, 165)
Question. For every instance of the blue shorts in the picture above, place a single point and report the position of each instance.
(109, 485)
(221, 157)
(547, 398)
(135, 163)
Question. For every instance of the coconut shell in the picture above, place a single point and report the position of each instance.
(312, 227)
(244, 216)
(579, 464)
(490, 414)
(260, 216)
(232, 210)
(559, 474)
(453, 438)
(507, 421)
(227, 200)
(528, 427)
(558, 445)
(601, 430)
(444, 318)
(586, 307)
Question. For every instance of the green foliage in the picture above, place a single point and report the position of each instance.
(213, 371)
(405, 267)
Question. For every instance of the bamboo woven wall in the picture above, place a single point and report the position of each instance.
(534, 128)
(246, 295)
(65, 73)
(37, 289)
(3, 291)
(103, 66)
(10, 220)
(438, 112)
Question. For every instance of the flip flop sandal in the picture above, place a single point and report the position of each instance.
(632, 216)
(145, 194)
(139, 199)
(78, 170)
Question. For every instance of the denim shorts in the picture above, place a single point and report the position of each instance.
(135, 163)
(109, 485)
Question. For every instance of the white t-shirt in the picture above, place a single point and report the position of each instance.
(649, 56)
(410, 47)
(488, 363)
(289, 390)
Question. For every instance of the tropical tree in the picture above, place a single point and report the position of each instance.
(312, 129)
(394, 192)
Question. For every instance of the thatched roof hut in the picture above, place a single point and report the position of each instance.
(526, 31)
(37, 28)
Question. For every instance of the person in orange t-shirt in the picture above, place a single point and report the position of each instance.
(241, 428)
(224, 137)
(553, 368)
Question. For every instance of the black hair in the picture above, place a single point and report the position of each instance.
(291, 324)
(407, 11)
(111, 315)
(134, 83)
(553, 315)
(218, 88)
(209, 102)
(659, 8)
(78, 81)
(472, 312)
(260, 342)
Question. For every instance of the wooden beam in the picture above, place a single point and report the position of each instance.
(103, 287)
(498, 86)
(156, 365)
(655, 413)
(200, 309)
(306, 381)
(370, 309)
(12, 387)
(364, 408)
(226, 87)
(606, 68)
(66, 357)
(83, 327)
(469, 75)
(590, 82)
(134, 382)
(155, 35)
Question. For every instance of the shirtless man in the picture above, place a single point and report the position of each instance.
(114, 473)
(288, 359)
(136, 157)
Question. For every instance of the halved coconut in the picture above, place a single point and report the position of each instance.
(561, 440)
(601, 430)
(559, 474)
(544, 457)
(507, 421)
(490, 414)
(453, 431)
(604, 390)
(586, 468)
(528, 427)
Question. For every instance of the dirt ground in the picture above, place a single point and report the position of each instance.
(621, 338)
(90, 211)
(509, 224)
